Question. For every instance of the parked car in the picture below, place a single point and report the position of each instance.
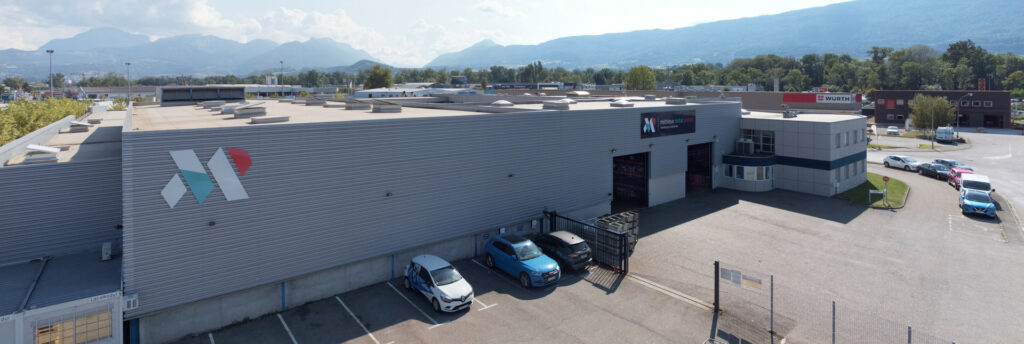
(954, 175)
(902, 162)
(953, 164)
(977, 202)
(934, 170)
(945, 134)
(569, 250)
(892, 130)
(976, 182)
(520, 258)
(439, 282)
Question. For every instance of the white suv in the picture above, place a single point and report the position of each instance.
(902, 162)
(892, 130)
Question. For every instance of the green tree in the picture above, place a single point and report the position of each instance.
(1014, 81)
(640, 78)
(796, 80)
(14, 82)
(378, 77)
(926, 108)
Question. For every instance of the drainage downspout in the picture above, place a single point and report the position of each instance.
(32, 287)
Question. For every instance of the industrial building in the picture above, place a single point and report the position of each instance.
(216, 213)
(988, 109)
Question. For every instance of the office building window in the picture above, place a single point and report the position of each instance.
(975, 103)
(899, 117)
(837, 174)
(899, 102)
(728, 170)
(965, 103)
(764, 140)
(952, 103)
(739, 172)
(80, 329)
(838, 138)
(988, 103)
(760, 173)
(847, 171)
(847, 138)
(890, 117)
(880, 101)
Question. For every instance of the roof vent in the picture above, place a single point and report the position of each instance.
(789, 113)
(744, 112)
(556, 105)
(675, 101)
(622, 103)
(566, 100)
(649, 97)
(357, 106)
(387, 108)
(577, 94)
(502, 103)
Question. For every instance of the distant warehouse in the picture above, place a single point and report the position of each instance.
(183, 219)
(988, 109)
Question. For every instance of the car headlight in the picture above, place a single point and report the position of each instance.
(535, 273)
(445, 298)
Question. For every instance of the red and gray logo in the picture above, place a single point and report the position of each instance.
(199, 181)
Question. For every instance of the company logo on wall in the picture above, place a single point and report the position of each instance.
(665, 123)
(199, 181)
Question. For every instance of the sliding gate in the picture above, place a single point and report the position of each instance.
(610, 246)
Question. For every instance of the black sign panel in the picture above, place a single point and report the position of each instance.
(665, 123)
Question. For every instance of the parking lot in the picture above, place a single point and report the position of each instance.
(951, 277)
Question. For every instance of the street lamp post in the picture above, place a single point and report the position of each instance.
(128, 75)
(280, 78)
(958, 113)
(50, 52)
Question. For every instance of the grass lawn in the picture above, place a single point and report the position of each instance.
(897, 192)
(876, 146)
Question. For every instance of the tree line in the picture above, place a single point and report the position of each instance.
(960, 66)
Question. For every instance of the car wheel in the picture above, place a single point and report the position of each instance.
(524, 280)
(906, 168)
(437, 306)
(408, 285)
(886, 164)
(489, 261)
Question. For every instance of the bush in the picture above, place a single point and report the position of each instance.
(22, 117)
(303, 94)
(339, 95)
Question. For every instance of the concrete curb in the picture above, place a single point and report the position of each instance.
(905, 197)
(1013, 211)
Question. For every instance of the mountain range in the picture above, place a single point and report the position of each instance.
(844, 28)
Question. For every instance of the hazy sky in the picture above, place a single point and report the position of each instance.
(404, 33)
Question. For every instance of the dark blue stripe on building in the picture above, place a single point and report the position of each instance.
(746, 160)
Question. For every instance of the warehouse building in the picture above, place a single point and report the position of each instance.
(217, 217)
(988, 109)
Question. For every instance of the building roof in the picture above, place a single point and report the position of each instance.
(100, 142)
(805, 117)
(64, 278)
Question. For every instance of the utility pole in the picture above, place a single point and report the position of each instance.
(50, 52)
(280, 79)
(128, 75)
(958, 114)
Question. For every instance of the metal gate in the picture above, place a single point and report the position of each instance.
(611, 245)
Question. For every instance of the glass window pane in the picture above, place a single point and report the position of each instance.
(760, 173)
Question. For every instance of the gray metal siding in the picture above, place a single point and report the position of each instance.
(317, 191)
(58, 208)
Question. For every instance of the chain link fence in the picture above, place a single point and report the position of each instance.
(755, 307)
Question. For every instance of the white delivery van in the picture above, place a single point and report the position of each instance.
(944, 134)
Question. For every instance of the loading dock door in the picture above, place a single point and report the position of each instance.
(630, 175)
(698, 168)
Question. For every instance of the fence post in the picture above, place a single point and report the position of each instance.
(771, 309)
(551, 220)
(833, 322)
(717, 309)
(909, 333)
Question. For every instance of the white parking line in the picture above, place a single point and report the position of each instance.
(670, 292)
(413, 305)
(950, 217)
(211, 338)
(356, 319)
(290, 335)
(481, 265)
(476, 300)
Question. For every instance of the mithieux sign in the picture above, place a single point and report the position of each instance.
(665, 123)
(199, 181)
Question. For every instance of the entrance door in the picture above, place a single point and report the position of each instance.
(630, 175)
(698, 168)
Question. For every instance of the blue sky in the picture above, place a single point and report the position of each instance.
(403, 33)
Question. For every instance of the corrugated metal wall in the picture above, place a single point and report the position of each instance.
(58, 208)
(317, 192)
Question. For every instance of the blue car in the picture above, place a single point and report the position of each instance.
(977, 202)
(520, 258)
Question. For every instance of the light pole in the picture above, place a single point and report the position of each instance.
(50, 52)
(128, 75)
(280, 79)
(958, 113)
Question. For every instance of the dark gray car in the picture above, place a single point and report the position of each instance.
(934, 170)
(568, 249)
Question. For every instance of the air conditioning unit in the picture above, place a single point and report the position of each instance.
(131, 301)
(105, 252)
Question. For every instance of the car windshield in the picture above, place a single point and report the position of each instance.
(528, 251)
(955, 163)
(446, 275)
(979, 197)
(974, 184)
(908, 159)
(581, 246)
(940, 167)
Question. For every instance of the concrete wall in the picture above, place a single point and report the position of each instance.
(58, 208)
(322, 190)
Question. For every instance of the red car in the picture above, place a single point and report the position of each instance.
(953, 177)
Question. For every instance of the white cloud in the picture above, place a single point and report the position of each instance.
(496, 8)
